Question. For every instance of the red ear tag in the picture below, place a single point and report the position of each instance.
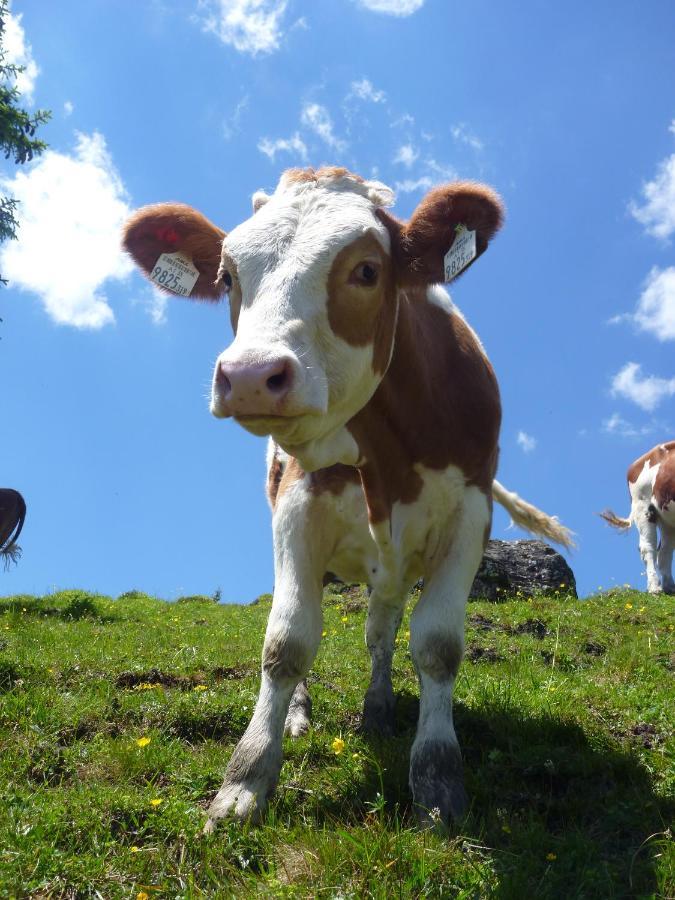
(167, 235)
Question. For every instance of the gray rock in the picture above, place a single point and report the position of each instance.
(531, 567)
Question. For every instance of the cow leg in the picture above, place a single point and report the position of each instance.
(291, 642)
(665, 559)
(384, 618)
(299, 711)
(437, 647)
(645, 522)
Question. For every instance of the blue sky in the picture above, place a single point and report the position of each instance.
(568, 110)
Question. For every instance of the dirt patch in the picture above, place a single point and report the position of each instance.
(481, 623)
(647, 734)
(474, 654)
(594, 649)
(535, 627)
(130, 680)
(231, 673)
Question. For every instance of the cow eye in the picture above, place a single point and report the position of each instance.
(226, 279)
(366, 273)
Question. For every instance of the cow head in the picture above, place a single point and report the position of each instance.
(313, 280)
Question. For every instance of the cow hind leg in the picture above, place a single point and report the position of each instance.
(664, 560)
(299, 711)
(644, 516)
(384, 618)
(437, 647)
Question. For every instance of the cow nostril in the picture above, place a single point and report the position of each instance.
(223, 381)
(278, 382)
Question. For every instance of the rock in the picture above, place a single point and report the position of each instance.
(531, 567)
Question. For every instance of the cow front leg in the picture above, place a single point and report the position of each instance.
(437, 647)
(291, 642)
(382, 624)
(664, 559)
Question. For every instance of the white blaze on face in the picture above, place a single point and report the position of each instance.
(280, 261)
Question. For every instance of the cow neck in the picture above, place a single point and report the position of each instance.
(437, 405)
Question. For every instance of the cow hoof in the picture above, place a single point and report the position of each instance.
(379, 714)
(669, 588)
(299, 712)
(655, 589)
(437, 784)
(238, 801)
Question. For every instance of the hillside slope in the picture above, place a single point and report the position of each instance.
(117, 718)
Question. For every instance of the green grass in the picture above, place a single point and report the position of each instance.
(564, 711)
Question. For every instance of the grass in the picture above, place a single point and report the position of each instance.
(117, 718)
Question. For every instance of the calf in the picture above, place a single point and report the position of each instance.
(384, 417)
(651, 485)
(12, 515)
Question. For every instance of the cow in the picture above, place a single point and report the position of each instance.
(383, 413)
(12, 515)
(651, 485)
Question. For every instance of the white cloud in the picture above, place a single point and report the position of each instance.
(406, 155)
(655, 311)
(618, 425)
(646, 391)
(155, 303)
(364, 90)
(410, 185)
(250, 26)
(316, 118)
(526, 442)
(232, 125)
(463, 136)
(657, 213)
(71, 211)
(68, 108)
(20, 53)
(393, 7)
(293, 145)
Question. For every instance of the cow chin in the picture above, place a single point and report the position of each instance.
(289, 429)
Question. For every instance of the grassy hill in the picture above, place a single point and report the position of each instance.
(117, 718)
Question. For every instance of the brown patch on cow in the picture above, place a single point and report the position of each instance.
(437, 405)
(274, 476)
(360, 314)
(332, 480)
(301, 176)
(664, 483)
(419, 246)
(284, 657)
(656, 456)
(440, 656)
(170, 227)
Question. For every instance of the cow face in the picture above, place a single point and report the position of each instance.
(313, 280)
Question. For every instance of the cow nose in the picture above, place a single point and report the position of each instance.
(254, 388)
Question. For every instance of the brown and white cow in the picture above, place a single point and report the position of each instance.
(651, 485)
(384, 417)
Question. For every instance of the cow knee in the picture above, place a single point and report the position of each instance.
(438, 655)
(285, 658)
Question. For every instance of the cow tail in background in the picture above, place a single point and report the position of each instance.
(12, 516)
(530, 518)
(615, 521)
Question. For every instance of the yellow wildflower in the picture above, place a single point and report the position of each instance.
(155, 802)
(338, 746)
(200, 687)
(324, 633)
(551, 856)
(629, 605)
(143, 742)
(141, 895)
(134, 849)
(506, 829)
(344, 619)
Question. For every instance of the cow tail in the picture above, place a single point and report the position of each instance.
(530, 518)
(616, 521)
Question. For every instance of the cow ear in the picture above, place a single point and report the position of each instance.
(176, 228)
(421, 245)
